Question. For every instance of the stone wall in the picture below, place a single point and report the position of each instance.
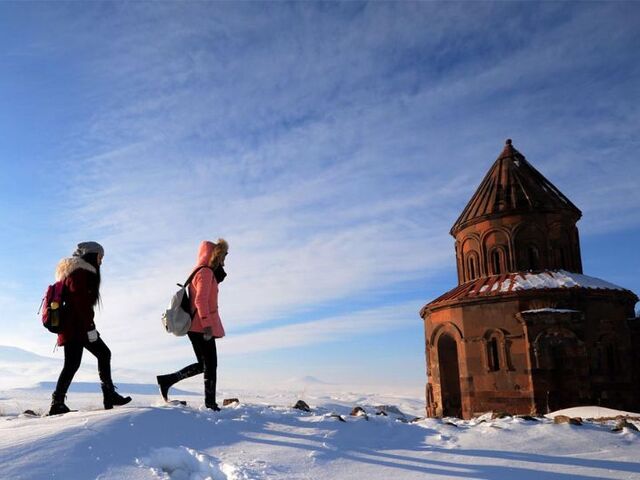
(532, 352)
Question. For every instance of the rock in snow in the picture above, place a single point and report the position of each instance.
(570, 420)
(622, 424)
(302, 405)
(359, 412)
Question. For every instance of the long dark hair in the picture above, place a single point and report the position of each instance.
(94, 282)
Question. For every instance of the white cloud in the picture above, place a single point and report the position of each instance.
(332, 147)
(339, 328)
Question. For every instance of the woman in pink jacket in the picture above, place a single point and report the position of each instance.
(206, 325)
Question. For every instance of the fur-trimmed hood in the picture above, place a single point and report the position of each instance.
(67, 266)
(207, 248)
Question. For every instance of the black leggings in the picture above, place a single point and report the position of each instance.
(206, 354)
(72, 358)
(207, 360)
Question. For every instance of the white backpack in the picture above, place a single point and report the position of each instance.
(177, 318)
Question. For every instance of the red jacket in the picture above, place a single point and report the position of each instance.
(77, 314)
(203, 292)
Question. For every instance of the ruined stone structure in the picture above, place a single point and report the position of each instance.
(525, 331)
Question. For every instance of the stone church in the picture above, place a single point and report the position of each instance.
(525, 331)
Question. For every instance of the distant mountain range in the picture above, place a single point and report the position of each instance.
(307, 380)
(94, 387)
(22, 369)
(15, 354)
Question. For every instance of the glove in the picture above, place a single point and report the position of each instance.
(207, 333)
(92, 335)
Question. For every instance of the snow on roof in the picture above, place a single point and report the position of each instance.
(502, 284)
(556, 279)
(550, 310)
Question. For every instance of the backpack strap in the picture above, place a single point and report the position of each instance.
(186, 284)
(193, 274)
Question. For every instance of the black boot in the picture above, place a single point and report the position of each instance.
(210, 395)
(57, 404)
(166, 381)
(164, 384)
(111, 397)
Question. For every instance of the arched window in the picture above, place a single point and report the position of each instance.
(497, 261)
(563, 258)
(533, 257)
(559, 257)
(493, 355)
(605, 357)
(472, 267)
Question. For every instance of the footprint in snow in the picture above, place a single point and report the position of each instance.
(182, 463)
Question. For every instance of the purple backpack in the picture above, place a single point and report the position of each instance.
(51, 307)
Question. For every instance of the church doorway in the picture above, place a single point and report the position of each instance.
(449, 376)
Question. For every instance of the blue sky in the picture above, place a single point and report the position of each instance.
(332, 144)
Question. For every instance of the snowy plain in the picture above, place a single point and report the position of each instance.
(263, 437)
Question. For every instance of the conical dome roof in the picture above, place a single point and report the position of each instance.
(513, 186)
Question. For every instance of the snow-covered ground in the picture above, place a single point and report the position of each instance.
(264, 438)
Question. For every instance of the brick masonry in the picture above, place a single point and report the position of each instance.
(529, 351)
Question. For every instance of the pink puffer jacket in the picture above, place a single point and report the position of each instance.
(203, 292)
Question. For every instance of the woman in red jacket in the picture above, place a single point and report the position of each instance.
(206, 324)
(81, 293)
